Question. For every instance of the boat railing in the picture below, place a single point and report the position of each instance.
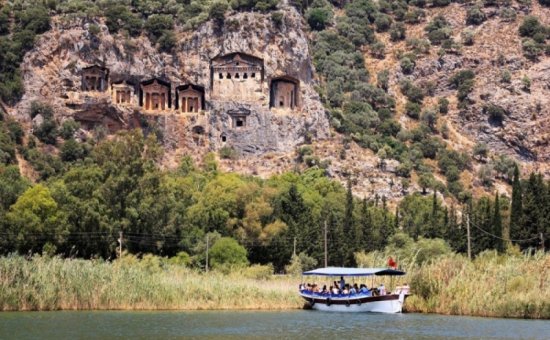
(332, 295)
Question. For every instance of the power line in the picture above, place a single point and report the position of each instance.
(504, 239)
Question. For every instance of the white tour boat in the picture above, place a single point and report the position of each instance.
(362, 301)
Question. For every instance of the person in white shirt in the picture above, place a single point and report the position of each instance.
(382, 289)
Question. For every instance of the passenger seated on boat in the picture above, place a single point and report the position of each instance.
(324, 290)
(363, 289)
(316, 288)
(335, 290)
(352, 290)
(302, 286)
(382, 289)
(345, 291)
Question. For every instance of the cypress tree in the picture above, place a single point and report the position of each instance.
(349, 227)
(497, 226)
(516, 209)
(370, 236)
(531, 212)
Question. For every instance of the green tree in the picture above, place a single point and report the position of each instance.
(318, 18)
(516, 209)
(227, 253)
(497, 226)
(35, 220)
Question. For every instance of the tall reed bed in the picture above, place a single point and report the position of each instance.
(491, 285)
(70, 284)
(515, 286)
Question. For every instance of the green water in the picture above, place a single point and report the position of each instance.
(255, 324)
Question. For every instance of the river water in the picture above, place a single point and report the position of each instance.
(260, 324)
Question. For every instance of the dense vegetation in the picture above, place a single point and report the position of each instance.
(511, 285)
(94, 190)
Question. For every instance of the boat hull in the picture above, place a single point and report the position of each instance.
(376, 304)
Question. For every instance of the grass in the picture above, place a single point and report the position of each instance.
(492, 285)
(71, 284)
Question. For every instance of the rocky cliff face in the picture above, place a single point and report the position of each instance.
(52, 74)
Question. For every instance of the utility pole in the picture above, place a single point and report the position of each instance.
(207, 246)
(120, 244)
(326, 253)
(294, 251)
(468, 235)
(542, 241)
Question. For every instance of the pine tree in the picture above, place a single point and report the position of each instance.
(516, 206)
(497, 226)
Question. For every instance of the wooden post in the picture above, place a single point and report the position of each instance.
(294, 251)
(542, 241)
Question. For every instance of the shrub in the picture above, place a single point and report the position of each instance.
(227, 253)
(414, 16)
(531, 49)
(412, 109)
(38, 108)
(485, 175)
(318, 18)
(496, 113)
(438, 30)
(412, 92)
(530, 26)
(382, 22)
(407, 65)
(72, 151)
(508, 14)
(429, 117)
(300, 263)
(68, 128)
(397, 31)
(526, 81)
(443, 104)
(47, 131)
(157, 24)
(258, 272)
(228, 152)
(505, 76)
(181, 259)
(440, 3)
(474, 16)
(167, 41)
(15, 131)
(481, 150)
(382, 79)
(468, 37)
(277, 18)
(378, 50)
(217, 11)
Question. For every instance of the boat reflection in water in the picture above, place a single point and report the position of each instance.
(346, 298)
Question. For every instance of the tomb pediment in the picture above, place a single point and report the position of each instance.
(239, 112)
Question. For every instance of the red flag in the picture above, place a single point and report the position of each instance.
(392, 263)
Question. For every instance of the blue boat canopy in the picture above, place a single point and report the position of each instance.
(343, 271)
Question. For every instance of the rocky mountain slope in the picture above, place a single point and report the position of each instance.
(273, 140)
